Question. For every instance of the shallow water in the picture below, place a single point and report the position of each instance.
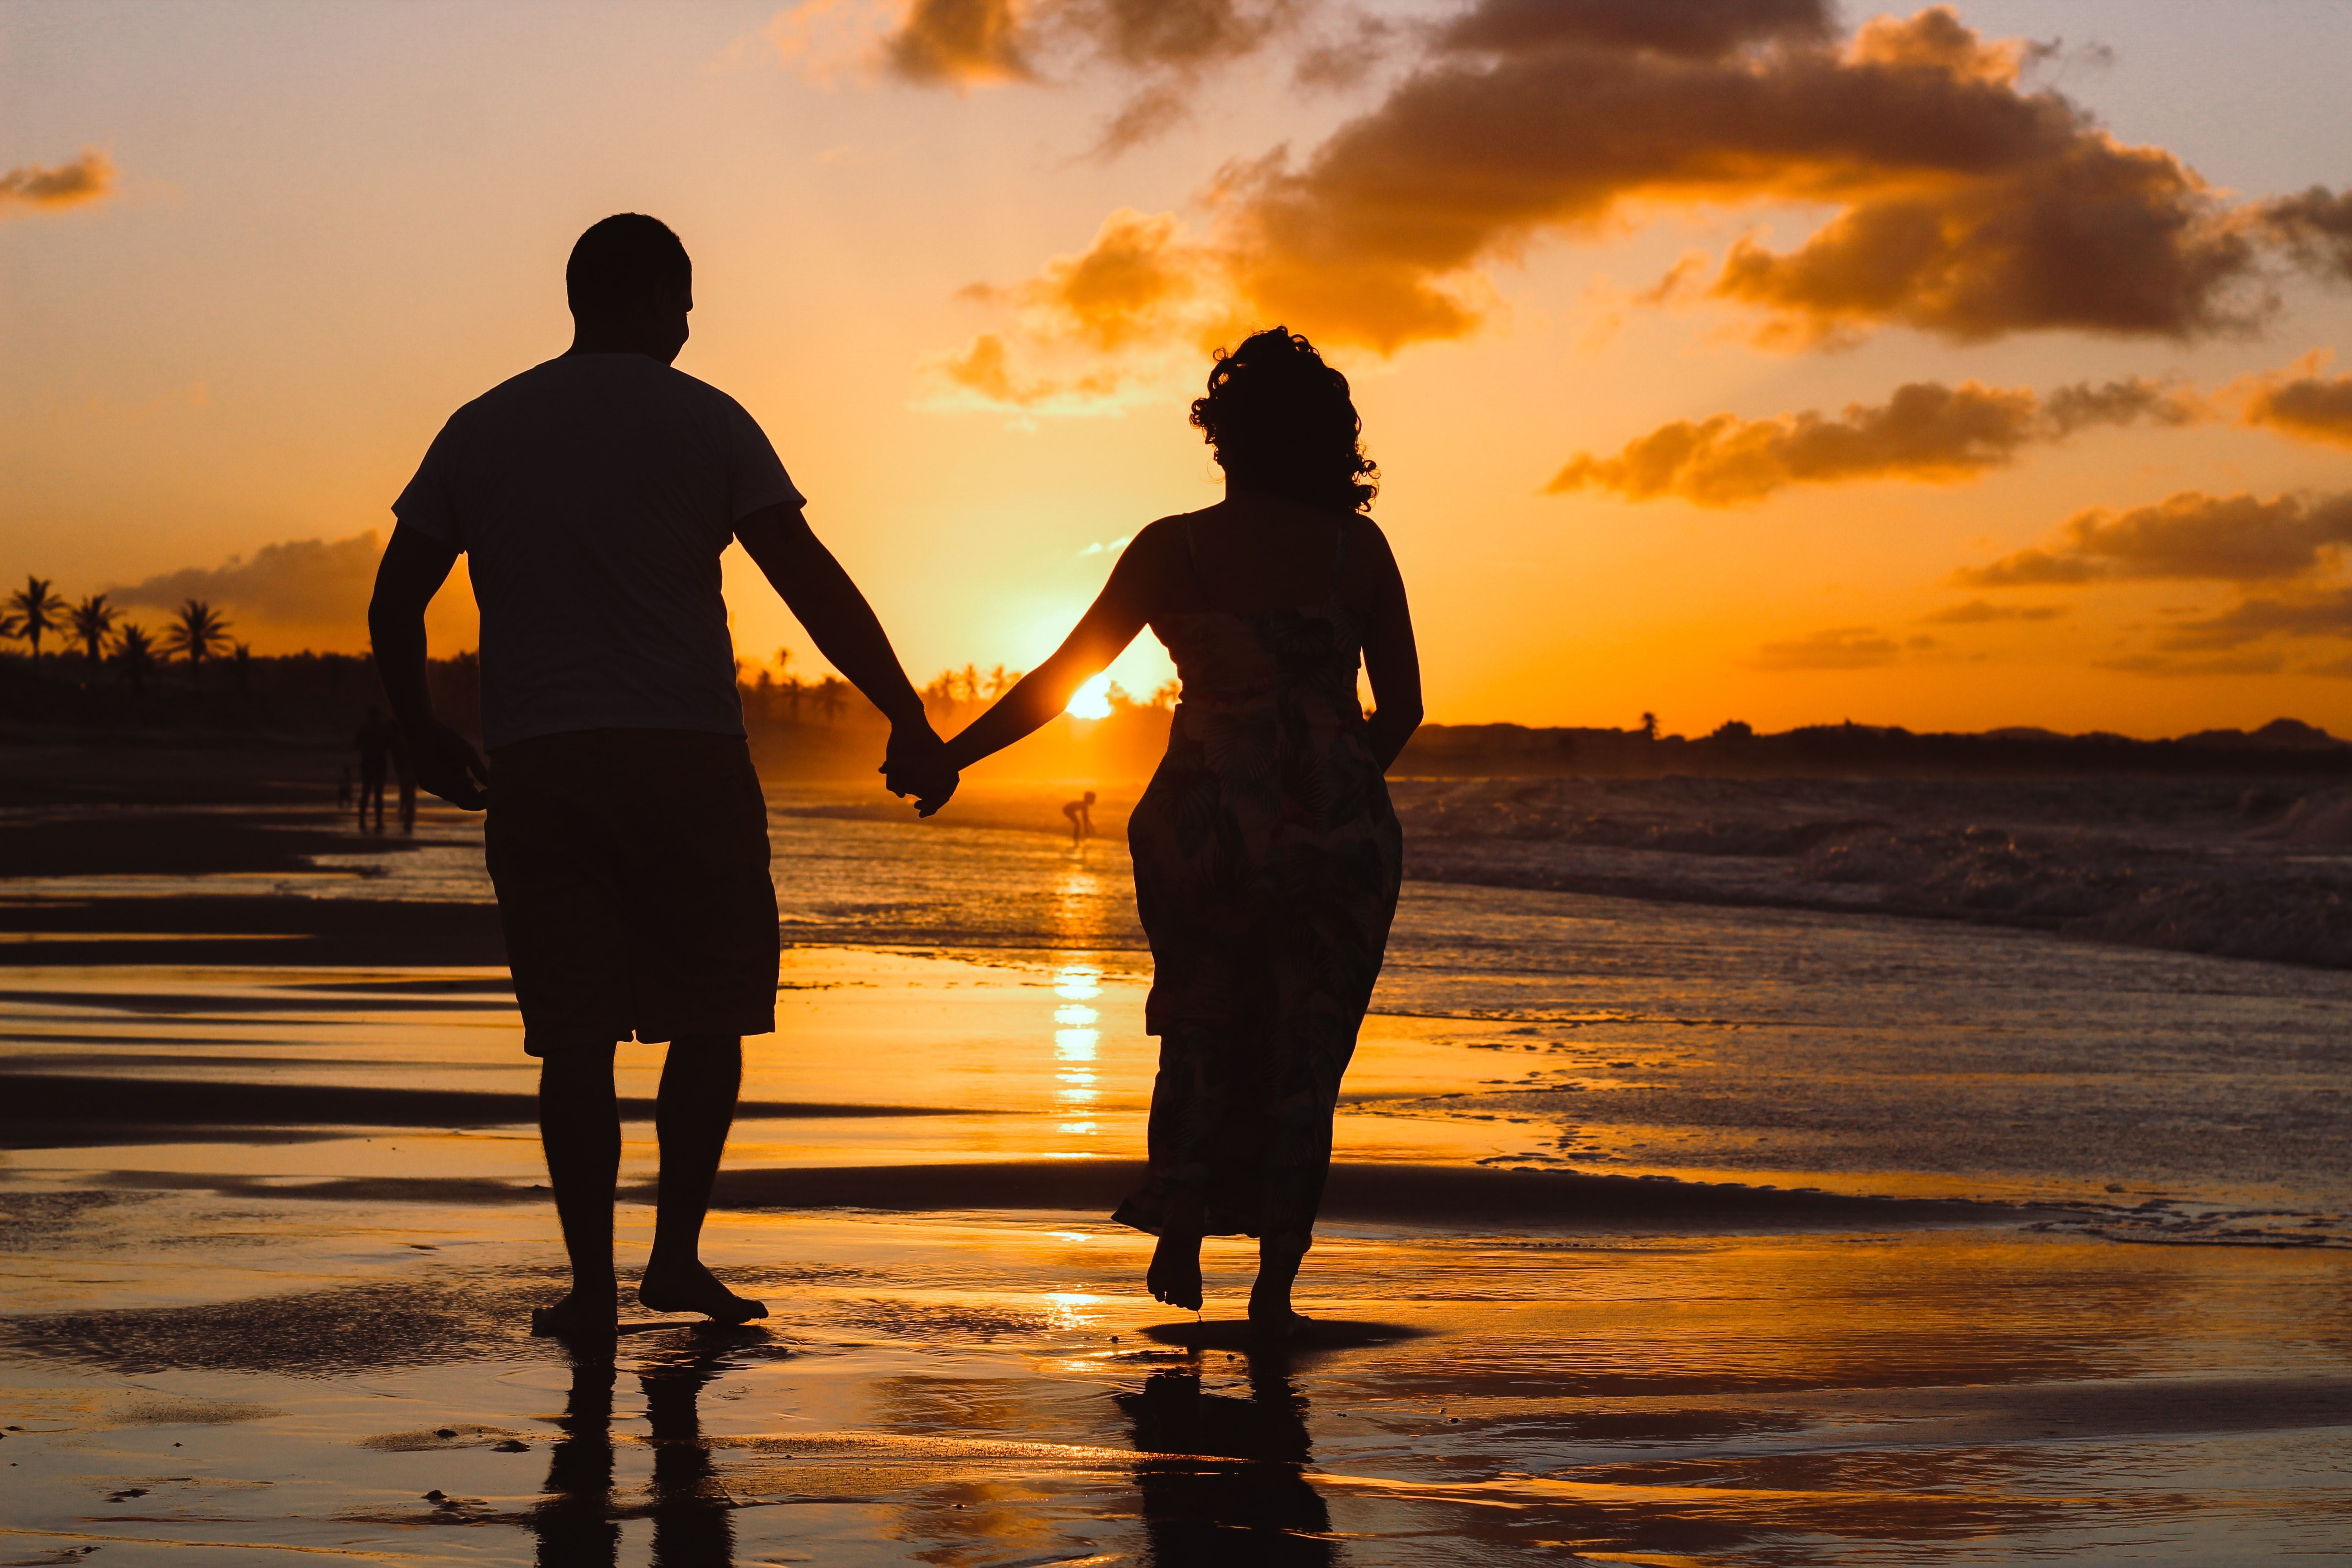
(311, 1282)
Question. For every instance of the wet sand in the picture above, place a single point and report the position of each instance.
(271, 1218)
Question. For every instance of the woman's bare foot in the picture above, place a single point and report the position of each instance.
(582, 1315)
(691, 1288)
(1174, 1276)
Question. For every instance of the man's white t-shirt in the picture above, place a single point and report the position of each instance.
(595, 494)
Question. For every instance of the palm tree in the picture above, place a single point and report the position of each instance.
(135, 655)
(34, 609)
(1649, 726)
(828, 697)
(241, 661)
(198, 635)
(92, 619)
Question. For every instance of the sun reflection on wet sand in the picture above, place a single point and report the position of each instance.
(984, 1391)
(269, 1230)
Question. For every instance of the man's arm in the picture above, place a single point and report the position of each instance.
(415, 566)
(837, 618)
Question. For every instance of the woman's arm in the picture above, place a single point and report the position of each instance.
(1102, 635)
(1390, 658)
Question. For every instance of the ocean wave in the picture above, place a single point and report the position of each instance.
(2166, 864)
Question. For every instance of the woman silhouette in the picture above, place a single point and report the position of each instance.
(1266, 855)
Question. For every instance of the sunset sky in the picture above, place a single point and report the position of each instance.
(1723, 358)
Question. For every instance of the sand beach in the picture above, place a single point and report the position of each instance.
(2041, 1253)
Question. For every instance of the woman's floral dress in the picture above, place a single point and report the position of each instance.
(1267, 859)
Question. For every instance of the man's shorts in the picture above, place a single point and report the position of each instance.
(632, 872)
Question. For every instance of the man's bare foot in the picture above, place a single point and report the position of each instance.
(582, 1315)
(1174, 1276)
(691, 1288)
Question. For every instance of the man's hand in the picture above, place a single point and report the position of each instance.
(915, 763)
(447, 766)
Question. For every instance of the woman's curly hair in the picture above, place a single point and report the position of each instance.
(1280, 420)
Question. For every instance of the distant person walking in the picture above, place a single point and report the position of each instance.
(1266, 853)
(1081, 815)
(627, 837)
(374, 743)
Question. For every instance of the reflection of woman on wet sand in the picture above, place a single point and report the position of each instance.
(1266, 856)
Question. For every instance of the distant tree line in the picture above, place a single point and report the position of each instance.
(94, 636)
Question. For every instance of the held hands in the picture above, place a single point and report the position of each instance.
(916, 765)
(447, 766)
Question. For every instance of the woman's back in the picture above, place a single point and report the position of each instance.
(1252, 606)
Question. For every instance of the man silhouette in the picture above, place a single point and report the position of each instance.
(628, 839)
(1082, 819)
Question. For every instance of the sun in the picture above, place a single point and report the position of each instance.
(1092, 701)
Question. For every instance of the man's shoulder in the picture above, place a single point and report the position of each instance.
(523, 388)
(690, 388)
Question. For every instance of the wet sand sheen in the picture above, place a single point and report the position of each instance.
(995, 1391)
(1657, 1236)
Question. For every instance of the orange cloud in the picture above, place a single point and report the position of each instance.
(1926, 432)
(2188, 537)
(983, 376)
(970, 43)
(1842, 647)
(1967, 203)
(1982, 612)
(301, 592)
(2321, 615)
(2302, 402)
(301, 580)
(2165, 665)
(1140, 286)
(960, 41)
(49, 187)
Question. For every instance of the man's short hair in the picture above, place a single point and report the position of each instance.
(620, 261)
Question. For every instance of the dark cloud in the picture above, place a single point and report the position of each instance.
(2189, 537)
(1691, 29)
(2164, 665)
(1012, 41)
(1348, 55)
(1169, 43)
(1964, 203)
(960, 41)
(2310, 407)
(2316, 228)
(301, 583)
(1983, 612)
(1151, 35)
(1926, 432)
(46, 188)
(2323, 615)
(1841, 647)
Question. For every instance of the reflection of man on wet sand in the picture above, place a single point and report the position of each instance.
(1081, 815)
(628, 839)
